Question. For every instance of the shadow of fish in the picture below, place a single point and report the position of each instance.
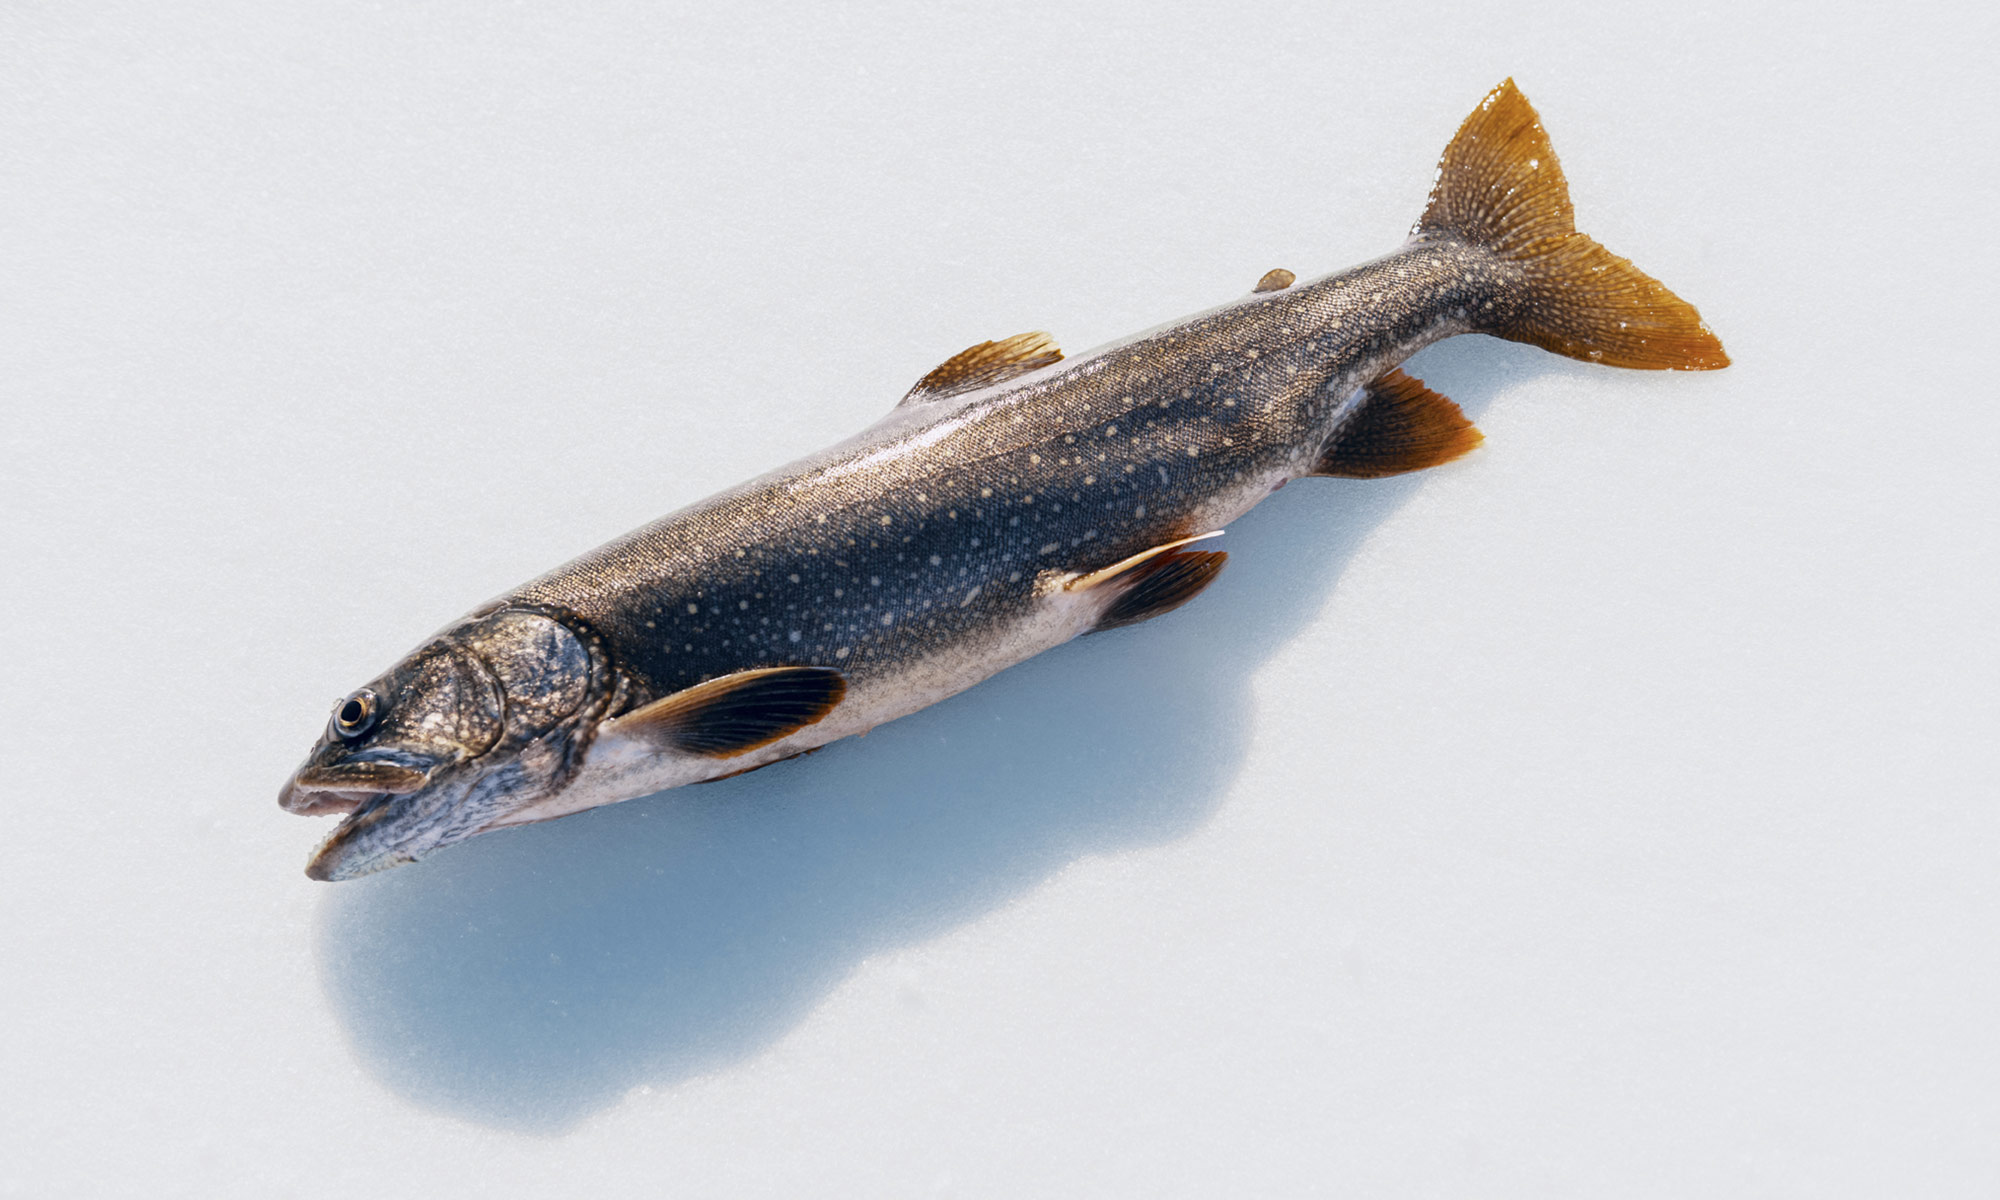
(1013, 500)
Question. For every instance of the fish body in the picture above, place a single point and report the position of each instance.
(1014, 500)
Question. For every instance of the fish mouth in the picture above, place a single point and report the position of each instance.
(389, 808)
(402, 816)
(347, 787)
(345, 855)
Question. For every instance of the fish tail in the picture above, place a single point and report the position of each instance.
(1499, 186)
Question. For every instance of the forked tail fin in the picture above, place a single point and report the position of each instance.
(1499, 186)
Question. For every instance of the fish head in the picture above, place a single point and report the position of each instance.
(486, 718)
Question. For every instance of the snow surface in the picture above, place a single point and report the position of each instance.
(1612, 813)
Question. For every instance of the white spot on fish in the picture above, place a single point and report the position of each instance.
(888, 618)
(694, 608)
(793, 577)
(794, 635)
(885, 518)
(1051, 547)
(840, 653)
(935, 560)
(968, 597)
(1139, 511)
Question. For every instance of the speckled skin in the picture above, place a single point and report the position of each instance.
(897, 546)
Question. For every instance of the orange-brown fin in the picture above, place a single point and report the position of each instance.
(1277, 279)
(737, 713)
(1499, 186)
(1153, 581)
(984, 365)
(1400, 425)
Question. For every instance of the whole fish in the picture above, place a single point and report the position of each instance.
(1013, 500)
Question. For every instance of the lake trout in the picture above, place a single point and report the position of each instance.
(1011, 501)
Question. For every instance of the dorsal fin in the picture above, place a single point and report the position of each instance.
(1401, 425)
(737, 713)
(1277, 279)
(984, 365)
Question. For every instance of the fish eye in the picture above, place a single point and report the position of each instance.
(356, 715)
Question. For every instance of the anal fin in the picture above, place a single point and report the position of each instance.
(1153, 582)
(737, 713)
(984, 365)
(1400, 425)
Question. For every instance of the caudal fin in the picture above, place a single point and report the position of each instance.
(1499, 186)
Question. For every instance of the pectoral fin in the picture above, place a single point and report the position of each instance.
(1401, 425)
(1153, 581)
(984, 365)
(737, 713)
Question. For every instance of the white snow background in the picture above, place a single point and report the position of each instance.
(1611, 813)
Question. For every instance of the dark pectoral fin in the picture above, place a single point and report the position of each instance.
(1400, 426)
(738, 713)
(984, 365)
(1153, 582)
